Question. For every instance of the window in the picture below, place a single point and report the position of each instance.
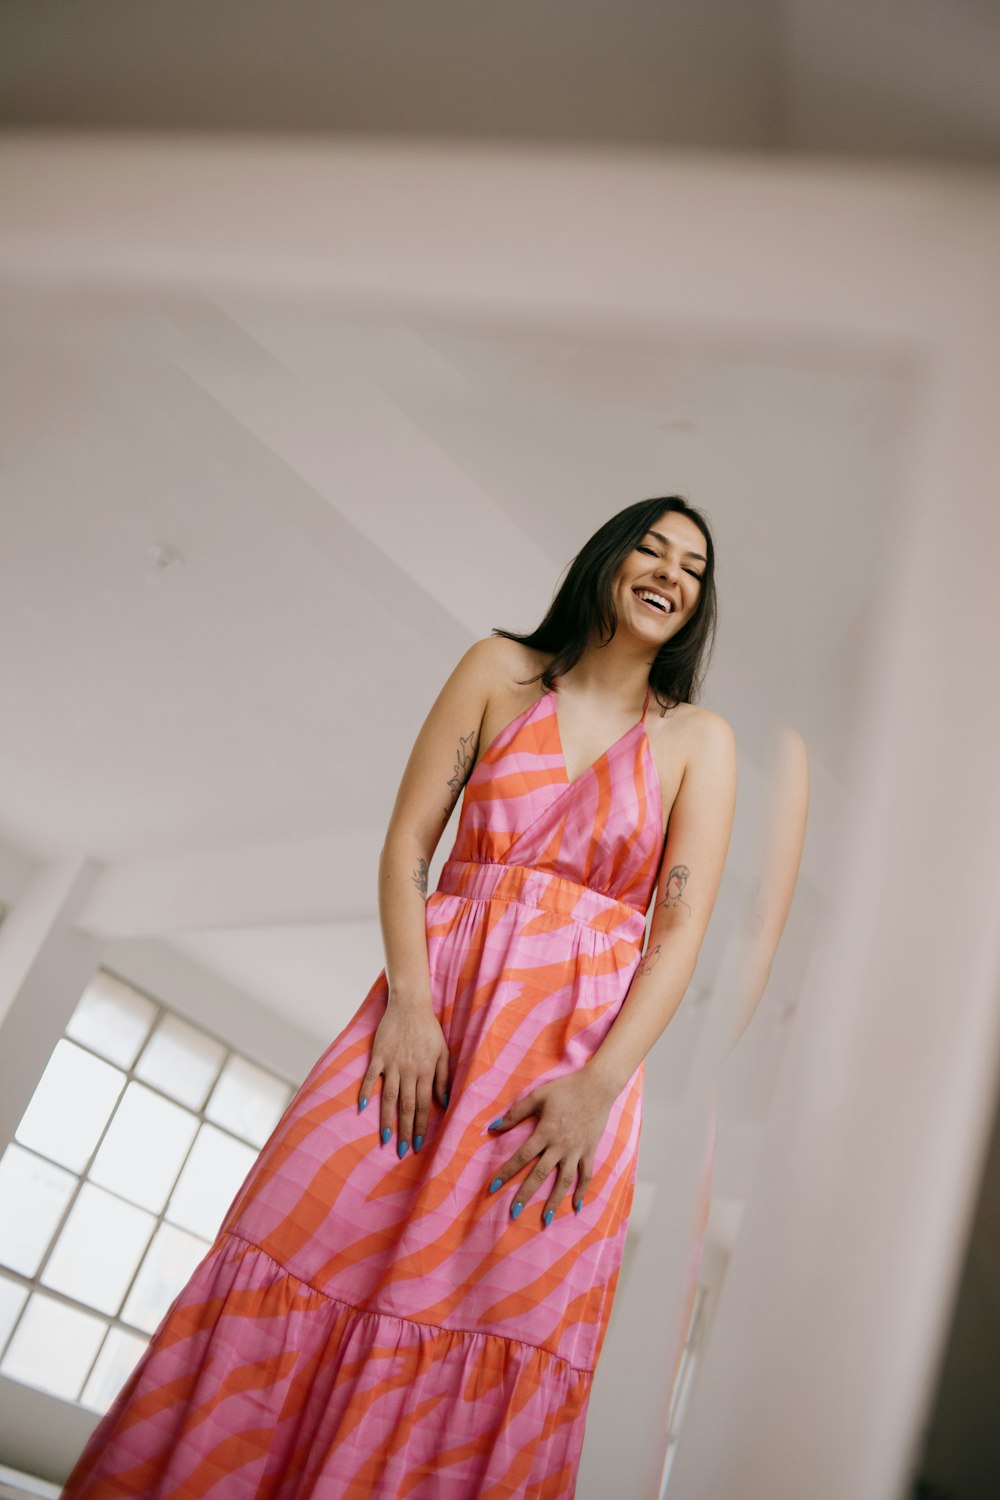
(136, 1140)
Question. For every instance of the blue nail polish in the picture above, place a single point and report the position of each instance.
(577, 1205)
(548, 1216)
(402, 1149)
(494, 1123)
(418, 1141)
(364, 1103)
(386, 1133)
(495, 1184)
(516, 1210)
(446, 1098)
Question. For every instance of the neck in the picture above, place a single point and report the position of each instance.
(616, 675)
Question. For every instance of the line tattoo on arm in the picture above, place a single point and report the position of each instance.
(649, 960)
(465, 757)
(419, 877)
(674, 898)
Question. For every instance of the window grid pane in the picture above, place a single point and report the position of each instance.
(34, 1197)
(112, 1019)
(13, 1296)
(144, 1148)
(74, 1170)
(117, 1359)
(181, 1061)
(71, 1106)
(98, 1252)
(247, 1100)
(53, 1346)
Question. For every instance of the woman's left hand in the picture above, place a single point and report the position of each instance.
(572, 1113)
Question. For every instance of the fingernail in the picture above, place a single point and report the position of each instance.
(402, 1149)
(386, 1133)
(494, 1123)
(364, 1101)
(447, 1096)
(547, 1217)
(495, 1184)
(516, 1210)
(418, 1141)
(577, 1205)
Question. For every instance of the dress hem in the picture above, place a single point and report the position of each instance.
(378, 1312)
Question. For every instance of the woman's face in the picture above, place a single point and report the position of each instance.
(668, 564)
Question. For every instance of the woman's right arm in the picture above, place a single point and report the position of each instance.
(409, 1051)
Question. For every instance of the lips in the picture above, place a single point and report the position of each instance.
(664, 605)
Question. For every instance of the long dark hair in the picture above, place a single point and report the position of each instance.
(583, 605)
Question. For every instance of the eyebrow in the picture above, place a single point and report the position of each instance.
(661, 538)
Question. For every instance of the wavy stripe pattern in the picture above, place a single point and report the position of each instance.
(366, 1326)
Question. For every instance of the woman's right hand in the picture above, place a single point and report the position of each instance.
(410, 1055)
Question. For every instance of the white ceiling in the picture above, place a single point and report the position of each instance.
(344, 500)
(905, 77)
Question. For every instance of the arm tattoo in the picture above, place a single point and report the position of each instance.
(464, 758)
(419, 877)
(676, 881)
(649, 960)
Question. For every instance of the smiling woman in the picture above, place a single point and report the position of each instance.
(662, 547)
(372, 1323)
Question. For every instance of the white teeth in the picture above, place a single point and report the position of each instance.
(656, 599)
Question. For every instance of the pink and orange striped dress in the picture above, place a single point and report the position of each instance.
(366, 1326)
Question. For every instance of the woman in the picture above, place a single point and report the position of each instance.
(426, 1321)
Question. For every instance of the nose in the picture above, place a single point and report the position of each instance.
(667, 569)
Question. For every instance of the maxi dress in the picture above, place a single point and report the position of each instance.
(365, 1326)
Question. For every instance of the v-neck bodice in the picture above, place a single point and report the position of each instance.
(603, 831)
(562, 742)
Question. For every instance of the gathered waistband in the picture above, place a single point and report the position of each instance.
(566, 898)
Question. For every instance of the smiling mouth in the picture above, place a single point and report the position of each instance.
(653, 601)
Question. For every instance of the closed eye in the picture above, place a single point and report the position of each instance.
(651, 553)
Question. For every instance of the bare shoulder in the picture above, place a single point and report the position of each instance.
(507, 679)
(688, 736)
(688, 727)
(499, 665)
(710, 730)
(711, 745)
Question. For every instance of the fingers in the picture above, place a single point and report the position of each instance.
(421, 1112)
(567, 1170)
(407, 1109)
(545, 1163)
(368, 1083)
(564, 1181)
(568, 1167)
(519, 1110)
(405, 1097)
(544, 1167)
(390, 1094)
(586, 1169)
(441, 1083)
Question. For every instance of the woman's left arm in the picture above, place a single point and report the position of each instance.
(694, 856)
(573, 1109)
